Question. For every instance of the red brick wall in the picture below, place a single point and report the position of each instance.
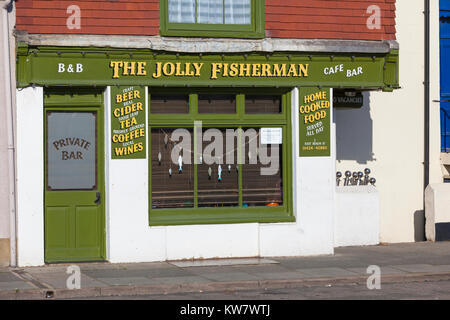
(302, 19)
(328, 19)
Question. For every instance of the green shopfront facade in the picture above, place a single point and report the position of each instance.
(132, 155)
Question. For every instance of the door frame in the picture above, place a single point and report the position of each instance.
(80, 99)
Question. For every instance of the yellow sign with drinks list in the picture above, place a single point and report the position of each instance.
(128, 128)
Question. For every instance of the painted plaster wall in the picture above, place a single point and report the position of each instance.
(4, 176)
(437, 194)
(437, 204)
(7, 99)
(130, 239)
(357, 220)
(387, 133)
(30, 176)
(436, 174)
(313, 190)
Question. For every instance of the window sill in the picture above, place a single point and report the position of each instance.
(175, 32)
(172, 217)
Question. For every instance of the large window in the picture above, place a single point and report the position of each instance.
(219, 157)
(212, 18)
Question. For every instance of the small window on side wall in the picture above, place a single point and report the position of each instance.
(212, 18)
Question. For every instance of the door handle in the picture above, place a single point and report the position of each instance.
(97, 198)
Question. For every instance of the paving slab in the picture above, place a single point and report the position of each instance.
(411, 261)
(232, 269)
(385, 270)
(45, 269)
(208, 270)
(180, 280)
(164, 273)
(419, 268)
(144, 266)
(442, 268)
(230, 276)
(321, 261)
(87, 282)
(260, 268)
(401, 253)
(281, 275)
(327, 272)
(13, 285)
(115, 273)
(8, 277)
(59, 280)
(129, 281)
(222, 262)
(147, 273)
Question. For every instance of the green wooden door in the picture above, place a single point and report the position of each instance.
(74, 185)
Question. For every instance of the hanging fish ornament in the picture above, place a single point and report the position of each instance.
(209, 172)
(219, 173)
(159, 158)
(170, 172)
(229, 168)
(166, 140)
(180, 164)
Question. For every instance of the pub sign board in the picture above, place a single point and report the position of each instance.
(128, 129)
(117, 67)
(314, 122)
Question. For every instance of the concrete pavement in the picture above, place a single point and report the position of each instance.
(414, 262)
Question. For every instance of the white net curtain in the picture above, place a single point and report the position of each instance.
(238, 12)
(182, 11)
(210, 11)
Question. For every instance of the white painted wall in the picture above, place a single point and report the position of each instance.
(7, 139)
(437, 194)
(387, 133)
(357, 221)
(436, 174)
(30, 176)
(437, 205)
(4, 175)
(132, 240)
(313, 200)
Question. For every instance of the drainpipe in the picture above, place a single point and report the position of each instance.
(427, 96)
(6, 7)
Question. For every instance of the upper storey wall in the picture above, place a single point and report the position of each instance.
(297, 19)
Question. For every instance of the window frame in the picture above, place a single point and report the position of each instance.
(255, 30)
(220, 215)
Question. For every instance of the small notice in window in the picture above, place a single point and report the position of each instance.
(271, 136)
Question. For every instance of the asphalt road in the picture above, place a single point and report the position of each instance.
(433, 290)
